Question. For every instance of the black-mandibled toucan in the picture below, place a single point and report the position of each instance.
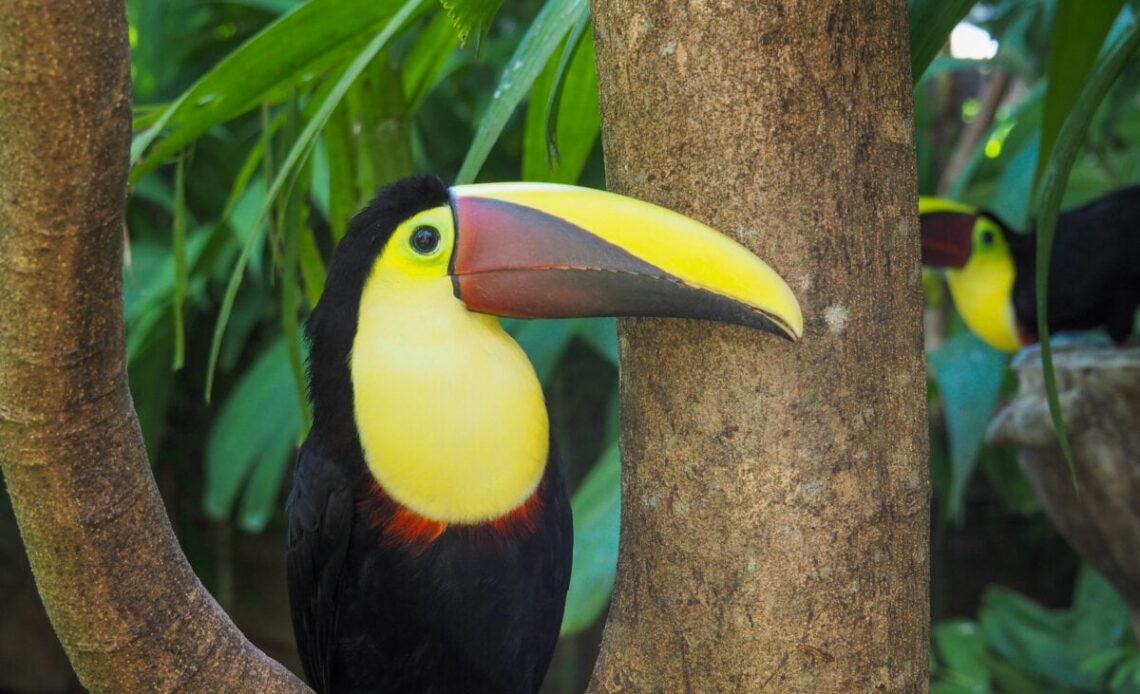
(1094, 270)
(429, 523)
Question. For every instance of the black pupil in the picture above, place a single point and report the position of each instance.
(425, 239)
(987, 237)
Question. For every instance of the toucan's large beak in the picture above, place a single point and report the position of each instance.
(947, 230)
(550, 251)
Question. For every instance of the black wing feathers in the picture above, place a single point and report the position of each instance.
(320, 510)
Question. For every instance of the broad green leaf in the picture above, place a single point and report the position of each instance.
(297, 154)
(565, 97)
(1122, 44)
(1038, 641)
(969, 374)
(601, 335)
(597, 522)
(571, 54)
(1079, 29)
(544, 341)
(295, 48)
(428, 60)
(340, 146)
(553, 22)
(471, 16)
(931, 22)
(258, 415)
(264, 486)
(961, 648)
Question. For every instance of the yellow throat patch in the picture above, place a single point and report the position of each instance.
(450, 413)
(983, 288)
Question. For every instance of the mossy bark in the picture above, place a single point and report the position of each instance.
(775, 495)
(129, 611)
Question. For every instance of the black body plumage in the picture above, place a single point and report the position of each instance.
(1094, 272)
(371, 615)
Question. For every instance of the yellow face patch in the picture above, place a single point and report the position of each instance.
(450, 413)
(983, 288)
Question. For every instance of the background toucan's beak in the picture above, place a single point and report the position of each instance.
(947, 230)
(550, 251)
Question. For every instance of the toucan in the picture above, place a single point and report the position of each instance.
(1094, 270)
(429, 536)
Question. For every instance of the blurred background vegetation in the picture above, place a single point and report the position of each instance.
(263, 125)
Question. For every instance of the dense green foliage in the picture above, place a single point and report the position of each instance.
(263, 125)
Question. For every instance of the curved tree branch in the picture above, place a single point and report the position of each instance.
(128, 609)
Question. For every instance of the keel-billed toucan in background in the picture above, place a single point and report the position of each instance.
(1094, 270)
(429, 522)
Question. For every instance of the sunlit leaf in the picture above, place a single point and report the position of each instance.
(471, 16)
(552, 24)
(565, 97)
(426, 62)
(1079, 29)
(299, 46)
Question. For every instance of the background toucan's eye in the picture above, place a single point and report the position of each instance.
(987, 237)
(425, 239)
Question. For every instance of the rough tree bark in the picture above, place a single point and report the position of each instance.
(775, 495)
(1099, 388)
(124, 601)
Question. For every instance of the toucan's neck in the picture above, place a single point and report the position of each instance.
(450, 414)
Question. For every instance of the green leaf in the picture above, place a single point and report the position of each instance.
(1022, 122)
(1079, 29)
(601, 335)
(563, 105)
(264, 487)
(296, 156)
(969, 374)
(931, 22)
(543, 37)
(1121, 46)
(292, 218)
(426, 62)
(597, 523)
(296, 48)
(1015, 187)
(178, 240)
(259, 415)
(471, 16)
(961, 650)
(544, 341)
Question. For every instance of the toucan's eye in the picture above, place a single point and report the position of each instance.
(425, 239)
(987, 237)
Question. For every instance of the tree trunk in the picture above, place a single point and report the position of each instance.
(127, 607)
(775, 495)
